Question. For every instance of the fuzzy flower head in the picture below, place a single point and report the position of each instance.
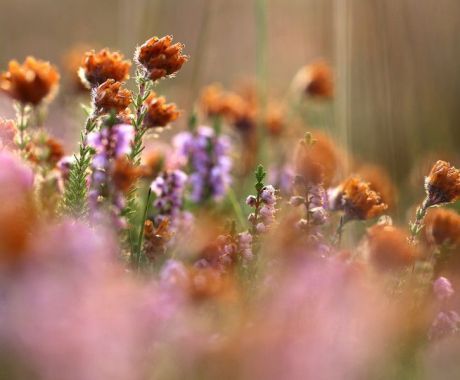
(442, 184)
(98, 67)
(238, 110)
(111, 96)
(45, 150)
(442, 226)
(156, 239)
(159, 113)
(125, 174)
(358, 201)
(317, 159)
(315, 80)
(31, 82)
(389, 247)
(160, 58)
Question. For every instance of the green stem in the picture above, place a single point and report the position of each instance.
(236, 207)
(417, 225)
(22, 125)
(339, 232)
(141, 229)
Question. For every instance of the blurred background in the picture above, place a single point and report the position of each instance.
(396, 62)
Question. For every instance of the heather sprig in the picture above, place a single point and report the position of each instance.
(442, 186)
(74, 201)
(263, 203)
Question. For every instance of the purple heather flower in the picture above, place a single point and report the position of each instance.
(104, 199)
(208, 156)
(169, 189)
(15, 176)
(231, 247)
(443, 288)
(282, 178)
(445, 324)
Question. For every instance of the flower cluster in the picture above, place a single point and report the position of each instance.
(442, 184)
(207, 155)
(111, 96)
(389, 248)
(103, 65)
(30, 82)
(159, 57)
(315, 80)
(447, 322)
(442, 227)
(264, 204)
(232, 248)
(106, 199)
(158, 112)
(357, 200)
(169, 189)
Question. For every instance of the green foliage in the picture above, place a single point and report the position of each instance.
(74, 201)
(260, 176)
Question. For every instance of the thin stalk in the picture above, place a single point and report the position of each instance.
(22, 125)
(236, 207)
(141, 228)
(417, 225)
(339, 232)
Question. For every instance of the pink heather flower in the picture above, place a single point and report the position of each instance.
(443, 288)
(7, 134)
(15, 176)
(445, 324)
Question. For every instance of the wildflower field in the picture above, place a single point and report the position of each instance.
(239, 235)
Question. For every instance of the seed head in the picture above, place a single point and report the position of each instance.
(111, 96)
(160, 58)
(359, 201)
(315, 80)
(389, 247)
(32, 82)
(442, 227)
(442, 184)
(98, 67)
(159, 113)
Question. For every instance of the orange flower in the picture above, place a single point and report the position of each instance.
(160, 58)
(98, 67)
(72, 61)
(30, 83)
(156, 238)
(110, 96)
(389, 247)
(125, 174)
(316, 80)
(380, 182)
(319, 162)
(209, 283)
(359, 201)
(159, 113)
(442, 226)
(238, 110)
(275, 119)
(45, 150)
(442, 184)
